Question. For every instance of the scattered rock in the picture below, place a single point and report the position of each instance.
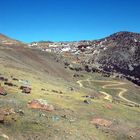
(55, 91)
(131, 135)
(40, 104)
(2, 91)
(25, 89)
(108, 106)
(15, 79)
(101, 122)
(66, 63)
(105, 74)
(9, 84)
(77, 75)
(64, 116)
(43, 89)
(4, 113)
(87, 101)
(88, 96)
(42, 115)
(71, 88)
(3, 79)
(21, 112)
(87, 68)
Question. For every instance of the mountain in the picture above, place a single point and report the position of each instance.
(119, 53)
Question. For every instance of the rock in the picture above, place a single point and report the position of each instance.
(66, 63)
(4, 113)
(61, 92)
(1, 118)
(75, 75)
(9, 84)
(15, 79)
(21, 112)
(71, 88)
(5, 136)
(25, 89)
(87, 68)
(88, 96)
(40, 104)
(2, 91)
(3, 79)
(87, 101)
(42, 115)
(101, 122)
(55, 91)
(64, 116)
(43, 89)
(108, 106)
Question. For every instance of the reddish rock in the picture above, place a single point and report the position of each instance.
(40, 104)
(4, 113)
(101, 122)
(2, 91)
(108, 106)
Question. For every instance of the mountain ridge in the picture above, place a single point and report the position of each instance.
(119, 52)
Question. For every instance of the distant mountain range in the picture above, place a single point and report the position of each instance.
(119, 53)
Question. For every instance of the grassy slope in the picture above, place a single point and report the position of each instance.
(42, 71)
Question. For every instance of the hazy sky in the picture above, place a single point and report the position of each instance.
(33, 20)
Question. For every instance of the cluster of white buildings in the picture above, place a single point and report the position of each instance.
(62, 47)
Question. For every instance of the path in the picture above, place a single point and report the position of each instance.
(111, 85)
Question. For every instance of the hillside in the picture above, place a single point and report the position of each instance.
(6, 41)
(118, 53)
(50, 95)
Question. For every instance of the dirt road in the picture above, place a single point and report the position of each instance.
(110, 85)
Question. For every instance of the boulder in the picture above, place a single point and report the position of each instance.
(40, 104)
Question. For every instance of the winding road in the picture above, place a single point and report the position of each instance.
(110, 85)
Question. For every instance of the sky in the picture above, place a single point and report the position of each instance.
(67, 20)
